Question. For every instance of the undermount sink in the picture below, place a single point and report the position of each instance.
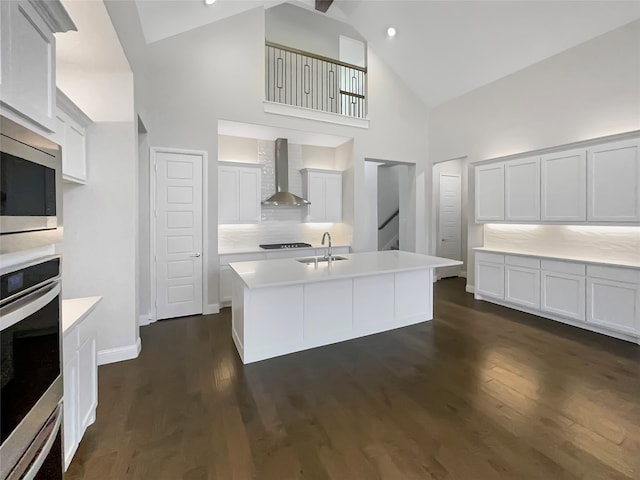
(308, 260)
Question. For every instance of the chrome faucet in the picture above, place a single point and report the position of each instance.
(328, 254)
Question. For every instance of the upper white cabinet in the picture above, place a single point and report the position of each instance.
(595, 184)
(522, 190)
(28, 58)
(323, 188)
(613, 175)
(239, 193)
(71, 135)
(564, 186)
(490, 192)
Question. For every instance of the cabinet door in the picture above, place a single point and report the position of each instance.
(88, 384)
(522, 190)
(490, 279)
(74, 161)
(563, 186)
(70, 405)
(28, 64)
(563, 294)
(522, 286)
(250, 189)
(228, 194)
(226, 277)
(614, 305)
(489, 193)
(333, 197)
(316, 212)
(614, 182)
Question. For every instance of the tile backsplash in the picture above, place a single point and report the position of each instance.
(280, 224)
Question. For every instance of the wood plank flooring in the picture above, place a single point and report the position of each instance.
(482, 392)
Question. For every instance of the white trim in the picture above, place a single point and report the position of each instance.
(211, 308)
(310, 114)
(153, 312)
(470, 288)
(144, 319)
(119, 354)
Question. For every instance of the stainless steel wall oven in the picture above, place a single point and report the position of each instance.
(30, 373)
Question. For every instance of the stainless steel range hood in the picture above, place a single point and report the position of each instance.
(283, 197)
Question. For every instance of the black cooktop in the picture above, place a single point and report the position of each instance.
(274, 246)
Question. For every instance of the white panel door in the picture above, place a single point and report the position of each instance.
(614, 305)
(522, 190)
(449, 223)
(489, 193)
(563, 294)
(178, 234)
(333, 197)
(613, 175)
(564, 186)
(522, 286)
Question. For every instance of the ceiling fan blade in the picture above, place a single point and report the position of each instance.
(323, 5)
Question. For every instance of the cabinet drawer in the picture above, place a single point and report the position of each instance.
(241, 257)
(563, 267)
(489, 257)
(522, 261)
(613, 273)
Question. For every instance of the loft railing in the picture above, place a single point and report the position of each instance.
(303, 79)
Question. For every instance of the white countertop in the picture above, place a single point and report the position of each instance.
(256, 249)
(569, 258)
(76, 309)
(269, 273)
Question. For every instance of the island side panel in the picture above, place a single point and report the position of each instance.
(273, 320)
(373, 303)
(414, 296)
(238, 313)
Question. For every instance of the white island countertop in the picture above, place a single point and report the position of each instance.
(269, 273)
(76, 309)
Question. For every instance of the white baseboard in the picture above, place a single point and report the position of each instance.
(211, 308)
(119, 354)
(144, 319)
(470, 288)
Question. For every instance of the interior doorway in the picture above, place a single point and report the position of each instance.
(389, 206)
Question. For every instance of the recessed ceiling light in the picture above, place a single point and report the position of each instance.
(391, 32)
(209, 2)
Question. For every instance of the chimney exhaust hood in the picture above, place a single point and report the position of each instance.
(283, 197)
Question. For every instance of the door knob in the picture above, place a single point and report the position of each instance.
(197, 254)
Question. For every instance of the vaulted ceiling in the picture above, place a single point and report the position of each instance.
(443, 49)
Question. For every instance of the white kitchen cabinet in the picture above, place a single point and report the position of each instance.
(323, 188)
(28, 66)
(522, 190)
(563, 289)
(613, 179)
(563, 186)
(613, 298)
(80, 371)
(71, 135)
(490, 275)
(489, 192)
(239, 193)
(522, 281)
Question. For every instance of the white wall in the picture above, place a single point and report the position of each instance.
(100, 235)
(588, 91)
(217, 72)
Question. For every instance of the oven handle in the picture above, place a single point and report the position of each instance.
(28, 305)
(42, 445)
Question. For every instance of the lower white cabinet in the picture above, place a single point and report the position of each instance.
(613, 299)
(602, 298)
(522, 281)
(490, 275)
(80, 372)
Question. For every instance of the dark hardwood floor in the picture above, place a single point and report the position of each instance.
(482, 392)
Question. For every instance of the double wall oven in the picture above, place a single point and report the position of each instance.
(30, 328)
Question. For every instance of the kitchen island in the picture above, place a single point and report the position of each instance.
(284, 306)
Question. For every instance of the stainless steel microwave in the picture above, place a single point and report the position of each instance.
(30, 181)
